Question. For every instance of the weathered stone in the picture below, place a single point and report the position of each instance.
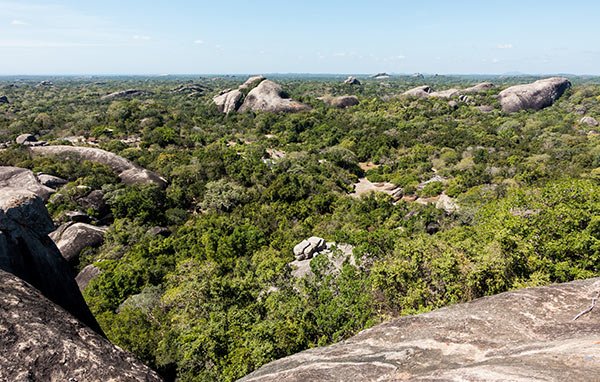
(419, 92)
(77, 217)
(534, 96)
(22, 178)
(72, 238)
(479, 88)
(87, 274)
(94, 201)
(352, 81)
(526, 335)
(269, 96)
(51, 181)
(449, 93)
(25, 138)
(127, 171)
(27, 252)
(159, 231)
(251, 83)
(341, 102)
(447, 204)
(380, 76)
(42, 342)
(229, 102)
(590, 121)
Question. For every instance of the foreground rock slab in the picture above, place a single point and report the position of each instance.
(527, 335)
(15, 177)
(40, 341)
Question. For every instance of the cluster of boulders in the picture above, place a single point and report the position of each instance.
(257, 94)
(306, 249)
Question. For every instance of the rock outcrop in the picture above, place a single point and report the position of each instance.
(426, 91)
(419, 92)
(51, 181)
(269, 96)
(380, 76)
(72, 238)
(526, 335)
(24, 139)
(352, 81)
(87, 274)
(127, 171)
(341, 102)
(40, 341)
(129, 93)
(22, 178)
(4, 100)
(27, 252)
(534, 96)
(257, 94)
(590, 121)
(306, 249)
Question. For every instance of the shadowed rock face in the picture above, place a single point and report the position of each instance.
(127, 171)
(39, 341)
(27, 252)
(527, 335)
(534, 96)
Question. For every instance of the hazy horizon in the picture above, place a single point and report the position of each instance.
(67, 37)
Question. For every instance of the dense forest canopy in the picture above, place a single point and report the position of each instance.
(218, 297)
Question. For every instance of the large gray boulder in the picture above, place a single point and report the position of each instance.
(341, 102)
(127, 171)
(352, 81)
(479, 88)
(448, 93)
(25, 139)
(229, 101)
(22, 178)
(269, 96)
(534, 96)
(257, 94)
(418, 92)
(526, 335)
(72, 238)
(40, 341)
(27, 252)
(51, 181)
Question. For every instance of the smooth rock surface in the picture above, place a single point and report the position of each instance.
(87, 274)
(419, 92)
(526, 335)
(72, 238)
(40, 341)
(127, 171)
(534, 96)
(25, 138)
(341, 102)
(352, 81)
(123, 94)
(269, 96)
(27, 252)
(21, 178)
(229, 102)
(51, 181)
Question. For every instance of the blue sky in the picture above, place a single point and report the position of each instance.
(327, 36)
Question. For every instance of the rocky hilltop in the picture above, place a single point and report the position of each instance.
(527, 335)
(40, 341)
(257, 94)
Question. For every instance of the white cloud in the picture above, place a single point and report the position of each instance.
(495, 60)
(141, 38)
(18, 23)
(199, 42)
(505, 46)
